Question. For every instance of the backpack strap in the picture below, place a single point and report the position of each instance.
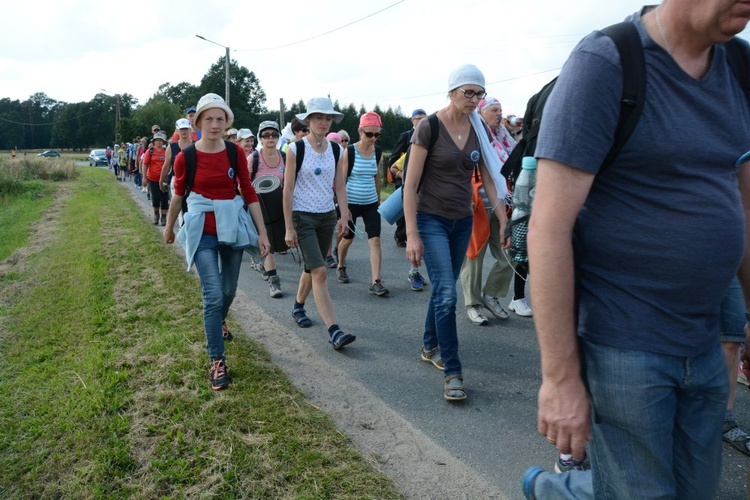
(350, 154)
(256, 163)
(191, 162)
(737, 58)
(628, 42)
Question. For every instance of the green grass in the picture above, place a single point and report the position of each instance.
(103, 378)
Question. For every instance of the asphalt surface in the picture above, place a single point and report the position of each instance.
(494, 432)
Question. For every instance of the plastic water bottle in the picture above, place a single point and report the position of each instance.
(523, 197)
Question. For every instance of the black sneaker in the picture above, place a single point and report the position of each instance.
(219, 375)
(341, 275)
(225, 333)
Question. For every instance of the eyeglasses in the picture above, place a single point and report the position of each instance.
(370, 135)
(470, 94)
(344, 140)
(272, 135)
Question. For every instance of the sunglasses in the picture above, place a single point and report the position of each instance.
(272, 135)
(344, 140)
(370, 135)
(470, 94)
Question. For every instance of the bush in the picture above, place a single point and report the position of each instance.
(25, 169)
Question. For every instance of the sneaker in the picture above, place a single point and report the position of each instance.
(475, 315)
(572, 464)
(163, 220)
(225, 333)
(493, 305)
(331, 262)
(529, 479)
(378, 289)
(520, 307)
(732, 434)
(219, 374)
(416, 281)
(341, 275)
(274, 285)
(156, 219)
(263, 273)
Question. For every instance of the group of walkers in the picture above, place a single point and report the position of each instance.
(627, 313)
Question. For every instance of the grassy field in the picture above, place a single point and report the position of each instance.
(103, 372)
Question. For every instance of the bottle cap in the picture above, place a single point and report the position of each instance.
(528, 163)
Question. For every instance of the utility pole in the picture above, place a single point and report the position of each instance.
(226, 67)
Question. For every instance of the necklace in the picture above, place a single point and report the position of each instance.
(319, 140)
(459, 137)
(663, 33)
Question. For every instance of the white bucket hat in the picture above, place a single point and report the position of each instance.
(244, 133)
(322, 105)
(209, 101)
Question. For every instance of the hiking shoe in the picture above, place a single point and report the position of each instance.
(475, 315)
(520, 307)
(156, 219)
(416, 281)
(378, 289)
(433, 357)
(274, 286)
(529, 479)
(219, 374)
(493, 305)
(732, 434)
(225, 333)
(341, 275)
(163, 220)
(331, 262)
(572, 464)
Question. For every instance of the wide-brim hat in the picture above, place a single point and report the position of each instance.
(160, 135)
(322, 105)
(210, 101)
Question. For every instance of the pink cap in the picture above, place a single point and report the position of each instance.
(370, 119)
(334, 137)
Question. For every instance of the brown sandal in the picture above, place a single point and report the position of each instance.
(433, 357)
(454, 388)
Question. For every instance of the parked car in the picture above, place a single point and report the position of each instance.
(97, 157)
(50, 154)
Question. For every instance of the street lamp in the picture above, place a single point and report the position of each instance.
(117, 113)
(226, 67)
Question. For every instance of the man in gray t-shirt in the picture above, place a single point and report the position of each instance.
(631, 261)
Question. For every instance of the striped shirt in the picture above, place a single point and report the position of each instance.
(360, 187)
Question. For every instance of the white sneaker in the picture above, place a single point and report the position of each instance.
(274, 284)
(520, 307)
(475, 315)
(493, 305)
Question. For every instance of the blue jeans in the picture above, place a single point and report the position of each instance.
(656, 426)
(445, 242)
(219, 284)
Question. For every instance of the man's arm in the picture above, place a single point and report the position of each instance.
(564, 411)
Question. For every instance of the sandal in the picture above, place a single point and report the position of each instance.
(300, 316)
(339, 339)
(732, 434)
(432, 356)
(454, 388)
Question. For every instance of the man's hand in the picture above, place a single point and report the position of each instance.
(564, 416)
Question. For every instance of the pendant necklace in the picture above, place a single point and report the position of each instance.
(319, 142)
(459, 137)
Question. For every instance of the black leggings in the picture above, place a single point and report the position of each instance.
(519, 283)
(158, 197)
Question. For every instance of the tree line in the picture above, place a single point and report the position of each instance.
(42, 122)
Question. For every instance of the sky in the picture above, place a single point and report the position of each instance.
(387, 52)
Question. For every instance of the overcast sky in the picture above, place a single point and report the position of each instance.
(401, 56)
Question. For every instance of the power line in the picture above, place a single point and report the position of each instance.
(322, 34)
(47, 124)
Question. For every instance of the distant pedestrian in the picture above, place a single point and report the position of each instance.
(153, 161)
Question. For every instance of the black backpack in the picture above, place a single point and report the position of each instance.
(301, 155)
(350, 150)
(191, 163)
(432, 120)
(628, 41)
(256, 163)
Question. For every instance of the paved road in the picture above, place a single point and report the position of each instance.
(494, 433)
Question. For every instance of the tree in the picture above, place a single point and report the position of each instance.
(184, 94)
(246, 97)
(157, 111)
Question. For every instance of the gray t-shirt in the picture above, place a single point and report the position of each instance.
(446, 182)
(662, 231)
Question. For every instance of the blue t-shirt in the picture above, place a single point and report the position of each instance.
(661, 233)
(360, 187)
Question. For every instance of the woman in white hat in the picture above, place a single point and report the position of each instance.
(439, 216)
(216, 227)
(183, 140)
(310, 214)
(245, 140)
